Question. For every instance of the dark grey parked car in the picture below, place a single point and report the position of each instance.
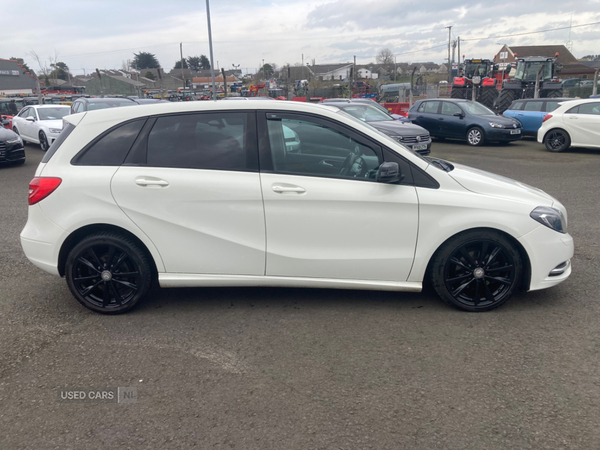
(11, 147)
(412, 136)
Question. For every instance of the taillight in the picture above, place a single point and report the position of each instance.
(42, 187)
(546, 117)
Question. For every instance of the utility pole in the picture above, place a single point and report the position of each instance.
(458, 43)
(181, 53)
(212, 60)
(449, 44)
(595, 87)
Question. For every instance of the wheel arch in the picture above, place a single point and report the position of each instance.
(77, 235)
(526, 275)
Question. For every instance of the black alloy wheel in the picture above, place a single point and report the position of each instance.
(557, 140)
(475, 136)
(108, 273)
(477, 271)
(44, 141)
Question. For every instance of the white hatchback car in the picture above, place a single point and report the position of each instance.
(575, 123)
(40, 124)
(211, 194)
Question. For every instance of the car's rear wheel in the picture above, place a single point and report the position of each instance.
(557, 140)
(477, 270)
(44, 141)
(475, 136)
(108, 273)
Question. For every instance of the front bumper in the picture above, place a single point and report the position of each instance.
(503, 134)
(550, 254)
(12, 154)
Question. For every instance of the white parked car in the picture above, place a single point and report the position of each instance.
(212, 194)
(40, 124)
(575, 123)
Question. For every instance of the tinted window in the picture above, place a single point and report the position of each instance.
(533, 106)
(518, 106)
(590, 108)
(573, 110)
(429, 107)
(551, 105)
(112, 147)
(201, 141)
(449, 109)
(64, 134)
(309, 148)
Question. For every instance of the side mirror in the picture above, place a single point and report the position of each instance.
(389, 172)
(30, 119)
(507, 69)
(459, 114)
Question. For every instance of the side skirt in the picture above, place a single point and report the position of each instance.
(208, 280)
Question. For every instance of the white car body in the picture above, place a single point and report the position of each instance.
(235, 228)
(30, 129)
(582, 129)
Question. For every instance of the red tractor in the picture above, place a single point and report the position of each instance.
(479, 81)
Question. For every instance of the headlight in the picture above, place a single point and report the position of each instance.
(17, 140)
(55, 130)
(551, 217)
(496, 125)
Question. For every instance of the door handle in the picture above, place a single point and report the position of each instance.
(519, 114)
(150, 182)
(282, 189)
(573, 118)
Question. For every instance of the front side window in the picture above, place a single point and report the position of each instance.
(219, 141)
(303, 147)
(449, 109)
(24, 112)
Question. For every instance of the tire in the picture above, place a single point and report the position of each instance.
(458, 92)
(505, 98)
(44, 141)
(475, 136)
(108, 273)
(551, 93)
(476, 270)
(488, 96)
(557, 140)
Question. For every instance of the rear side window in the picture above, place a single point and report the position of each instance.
(429, 107)
(64, 134)
(574, 110)
(111, 148)
(518, 106)
(219, 141)
(551, 105)
(533, 106)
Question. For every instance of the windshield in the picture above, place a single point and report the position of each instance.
(527, 71)
(476, 69)
(366, 113)
(53, 113)
(476, 108)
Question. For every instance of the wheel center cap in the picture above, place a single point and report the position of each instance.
(106, 275)
(478, 273)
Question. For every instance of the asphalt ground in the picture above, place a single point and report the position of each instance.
(307, 368)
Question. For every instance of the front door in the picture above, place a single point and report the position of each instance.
(326, 216)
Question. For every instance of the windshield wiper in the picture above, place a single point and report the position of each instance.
(444, 165)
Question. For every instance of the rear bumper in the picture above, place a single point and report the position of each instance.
(39, 240)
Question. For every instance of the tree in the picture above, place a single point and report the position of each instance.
(178, 64)
(198, 63)
(591, 58)
(145, 60)
(150, 75)
(60, 71)
(385, 58)
(22, 63)
(267, 71)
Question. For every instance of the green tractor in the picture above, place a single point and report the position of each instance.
(477, 81)
(536, 77)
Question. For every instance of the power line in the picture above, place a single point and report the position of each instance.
(531, 32)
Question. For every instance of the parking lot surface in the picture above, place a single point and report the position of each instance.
(321, 369)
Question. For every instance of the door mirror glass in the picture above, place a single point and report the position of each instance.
(389, 172)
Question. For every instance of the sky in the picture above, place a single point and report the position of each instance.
(90, 34)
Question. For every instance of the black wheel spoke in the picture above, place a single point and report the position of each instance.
(120, 260)
(468, 257)
(95, 257)
(489, 296)
(126, 283)
(496, 269)
(89, 289)
(458, 262)
(461, 277)
(483, 252)
(84, 261)
(106, 296)
(113, 288)
(491, 257)
(90, 277)
(502, 280)
(126, 274)
(462, 287)
(477, 298)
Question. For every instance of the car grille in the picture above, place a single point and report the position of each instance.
(414, 140)
(2, 146)
(15, 155)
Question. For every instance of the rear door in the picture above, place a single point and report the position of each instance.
(191, 183)
(584, 124)
(427, 116)
(532, 115)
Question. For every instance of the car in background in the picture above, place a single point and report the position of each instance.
(412, 136)
(368, 102)
(207, 194)
(571, 82)
(464, 119)
(11, 147)
(93, 103)
(40, 124)
(10, 107)
(530, 112)
(573, 124)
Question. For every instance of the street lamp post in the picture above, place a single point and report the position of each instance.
(212, 60)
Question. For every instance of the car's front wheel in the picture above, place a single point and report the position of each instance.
(557, 140)
(475, 136)
(476, 270)
(108, 273)
(44, 141)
